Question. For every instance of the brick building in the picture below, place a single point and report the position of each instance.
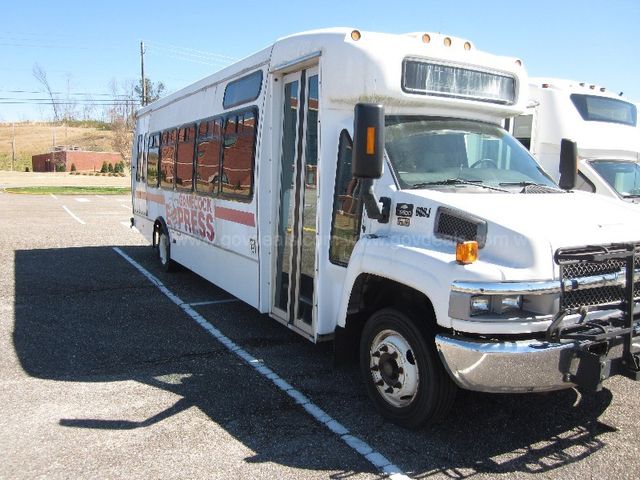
(83, 160)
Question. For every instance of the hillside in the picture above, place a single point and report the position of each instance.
(33, 138)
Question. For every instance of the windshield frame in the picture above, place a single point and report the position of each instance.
(457, 181)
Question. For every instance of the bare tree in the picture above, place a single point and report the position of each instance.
(41, 76)
(122, 117)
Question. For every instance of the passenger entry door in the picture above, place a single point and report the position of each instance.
(295, 244)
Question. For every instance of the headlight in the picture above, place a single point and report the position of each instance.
(481, 304)
(508, 303)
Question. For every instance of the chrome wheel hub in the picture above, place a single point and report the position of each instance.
(393, 368)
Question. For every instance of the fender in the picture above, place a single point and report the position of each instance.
(425, 270)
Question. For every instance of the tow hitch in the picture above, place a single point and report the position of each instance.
(598, 279)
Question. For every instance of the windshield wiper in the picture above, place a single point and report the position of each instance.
(525, 184)
(456, 181)
(522, 184)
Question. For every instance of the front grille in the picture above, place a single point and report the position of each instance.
(592, 297)
(593, 261)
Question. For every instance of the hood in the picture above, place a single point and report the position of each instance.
(564, 219)
(524, 230)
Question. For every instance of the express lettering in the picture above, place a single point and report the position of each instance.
(193, 215)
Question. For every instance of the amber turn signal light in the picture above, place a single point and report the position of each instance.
(466, 252)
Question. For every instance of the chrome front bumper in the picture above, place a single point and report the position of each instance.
(512, 367)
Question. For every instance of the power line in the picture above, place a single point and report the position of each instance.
(70, 93)
(49, 102)
(188, 59)
(189, 54)
(191, 51)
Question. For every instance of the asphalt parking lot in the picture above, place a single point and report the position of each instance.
(103, 375)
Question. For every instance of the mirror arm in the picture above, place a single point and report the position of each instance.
(372, 204)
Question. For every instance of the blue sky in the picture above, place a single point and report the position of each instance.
(84, 46)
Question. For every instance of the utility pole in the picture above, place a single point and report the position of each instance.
(144, 83)
(13, 148)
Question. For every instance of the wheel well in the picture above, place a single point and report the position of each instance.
(371, 293)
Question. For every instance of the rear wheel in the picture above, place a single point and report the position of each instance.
(164, 252)
(402, 371)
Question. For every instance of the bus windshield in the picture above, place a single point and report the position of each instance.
(427, 152)
(622, 176)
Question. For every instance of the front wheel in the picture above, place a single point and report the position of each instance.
(402, 371)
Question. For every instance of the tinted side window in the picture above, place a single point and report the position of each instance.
(239, 145)
(139, 150)
(347, 208)
(208, 152)
(167, 158)
(243, 90)
(152, 159)
(184, 157)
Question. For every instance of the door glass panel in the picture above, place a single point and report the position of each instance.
(309, 199)
(347, 209)
(285, 214)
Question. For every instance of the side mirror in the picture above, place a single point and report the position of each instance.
(568, 164)
(368, 140)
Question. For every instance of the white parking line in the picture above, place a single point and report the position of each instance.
(73, 215)
(82, 200)
(54, 197)
(128, 207)
(214, 302)
(374, 457)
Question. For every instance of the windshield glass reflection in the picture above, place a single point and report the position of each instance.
(430, 152)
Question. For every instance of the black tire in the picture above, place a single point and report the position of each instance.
(164, 252)
(402, 371)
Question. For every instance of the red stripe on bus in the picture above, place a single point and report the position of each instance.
(236, 216)
(150, 197)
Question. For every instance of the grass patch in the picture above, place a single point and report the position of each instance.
(70, 190)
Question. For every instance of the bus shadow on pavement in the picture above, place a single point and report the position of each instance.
(85, 315)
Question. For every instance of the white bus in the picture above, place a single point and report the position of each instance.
(358, 187)
(602, 123)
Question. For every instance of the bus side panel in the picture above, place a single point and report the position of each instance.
(230, 271)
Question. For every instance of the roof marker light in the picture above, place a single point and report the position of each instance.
(356, 35)
(518, 62)
(447, 41)
(426, 38)
(467, 45)
(602, 89)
